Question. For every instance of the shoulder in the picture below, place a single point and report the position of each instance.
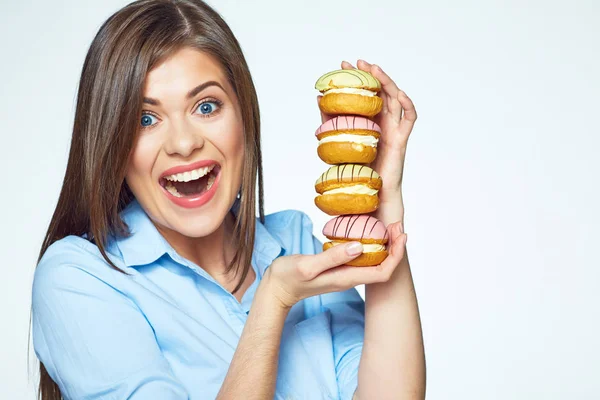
(294, 231)
(75, 251)
(71, 263)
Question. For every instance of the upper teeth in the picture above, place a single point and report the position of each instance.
(190, 175)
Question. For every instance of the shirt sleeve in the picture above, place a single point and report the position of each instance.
(347, 327)
(93, 340)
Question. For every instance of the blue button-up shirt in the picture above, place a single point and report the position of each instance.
(168, 330)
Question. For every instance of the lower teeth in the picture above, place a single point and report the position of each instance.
(171, 188)
(211, 180)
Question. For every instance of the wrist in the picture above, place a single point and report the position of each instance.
(391, 194)
(273, 295)
(400, 277)
(391, 208)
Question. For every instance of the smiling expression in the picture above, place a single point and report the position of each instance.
(186, 165)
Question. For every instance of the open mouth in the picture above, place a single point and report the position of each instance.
(191, 183)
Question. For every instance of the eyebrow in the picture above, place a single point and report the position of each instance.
(190, 94)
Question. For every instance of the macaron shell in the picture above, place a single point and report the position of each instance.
(365, 259)
(348, 123)
(345, 103)
(352, 78)
(348, 173)
(346, 152)
(355, 227)
(344, 203)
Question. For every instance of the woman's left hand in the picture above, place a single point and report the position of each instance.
(396, 119)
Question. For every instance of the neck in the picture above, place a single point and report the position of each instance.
(212, 253)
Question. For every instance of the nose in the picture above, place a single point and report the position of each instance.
(183, 139)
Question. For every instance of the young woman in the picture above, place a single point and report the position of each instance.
(149, 287)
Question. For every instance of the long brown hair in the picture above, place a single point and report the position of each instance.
(109, 102)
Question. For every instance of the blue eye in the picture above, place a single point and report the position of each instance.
(209, 107)
(146, 120)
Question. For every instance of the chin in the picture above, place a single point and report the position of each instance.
(197, 223)
(195, 226)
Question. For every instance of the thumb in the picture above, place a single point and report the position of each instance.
(324, 117)
(336, 255)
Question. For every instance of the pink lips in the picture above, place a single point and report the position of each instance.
(202, 198)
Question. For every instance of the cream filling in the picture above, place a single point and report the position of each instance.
(366, 140)
(367, 248)
(354, 189)
(362, 92)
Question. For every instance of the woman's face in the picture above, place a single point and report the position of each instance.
(186, 165)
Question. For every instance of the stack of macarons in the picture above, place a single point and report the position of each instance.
(348, 141)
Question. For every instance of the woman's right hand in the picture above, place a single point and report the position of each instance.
(293, 278)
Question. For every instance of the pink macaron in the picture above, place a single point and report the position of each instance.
(366, 229)
(348, 139)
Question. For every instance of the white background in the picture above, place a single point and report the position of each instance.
(501, 179)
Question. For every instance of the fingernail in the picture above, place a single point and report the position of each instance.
(354, 248)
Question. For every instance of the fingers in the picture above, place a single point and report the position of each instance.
(347, 65)
(397, 242)
(410, 113)
(397, 106)
(387, 84)
(396, 101)
(362, 64)
(311, 266)
(345, 277)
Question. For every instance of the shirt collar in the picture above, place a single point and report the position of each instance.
(267, 247)
(145, 245)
